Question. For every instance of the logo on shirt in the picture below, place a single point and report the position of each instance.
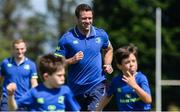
(128, 96)
(40, 100)
(61, 99)
(27, 67)
(9, 65)
(98, 40)
(51, 107)
(129, 100)
(118, 90)
(75, 42)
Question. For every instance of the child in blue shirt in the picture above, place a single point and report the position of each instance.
(51, 95)
(131, 88)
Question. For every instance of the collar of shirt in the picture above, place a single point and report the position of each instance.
(80, 35)
(12, 60)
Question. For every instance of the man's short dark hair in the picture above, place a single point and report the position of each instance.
(82, 7)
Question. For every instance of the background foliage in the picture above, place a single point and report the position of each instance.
(133, 21)
(126, 21)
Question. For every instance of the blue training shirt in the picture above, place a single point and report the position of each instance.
(86, 73)
(126, 98)
(41, 98)
(19, 74)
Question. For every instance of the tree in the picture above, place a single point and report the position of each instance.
(61, 10)
(32, 28)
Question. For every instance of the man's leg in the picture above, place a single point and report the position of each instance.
(81, 99)
(95, 96)
(89, 101)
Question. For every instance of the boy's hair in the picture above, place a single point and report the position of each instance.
(49, 64)
(124, 52)
(82, 7)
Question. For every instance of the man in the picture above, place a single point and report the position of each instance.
(18, 69)
(82, 46)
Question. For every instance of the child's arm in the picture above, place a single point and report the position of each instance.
(11, 100)
(145, 97)
(130, 79)
(103, 102)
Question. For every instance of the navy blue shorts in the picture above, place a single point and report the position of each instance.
(88, 101)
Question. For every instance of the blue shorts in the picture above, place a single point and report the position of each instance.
(89, 101)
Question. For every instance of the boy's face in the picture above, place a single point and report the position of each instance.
(129, 64)
(57, 78)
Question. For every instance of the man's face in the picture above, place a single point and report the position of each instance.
(129, 64)
(85, 20)
(19, 50)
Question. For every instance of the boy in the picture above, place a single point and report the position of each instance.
(51, 95)
(131, 89)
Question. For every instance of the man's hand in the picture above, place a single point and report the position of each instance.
(108, 69)
(11, 88)
(78, 56)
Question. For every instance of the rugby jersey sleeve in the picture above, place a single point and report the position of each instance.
(145, 84)
(61, 48)
(2, 68)
(105, 38)
(26, 100)
(33, 70)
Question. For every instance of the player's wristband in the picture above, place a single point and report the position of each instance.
(108, 65)
(10, 94)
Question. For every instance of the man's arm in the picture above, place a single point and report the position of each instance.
(78, 56)
(108, 56)
(34, 82)
(11, 100)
